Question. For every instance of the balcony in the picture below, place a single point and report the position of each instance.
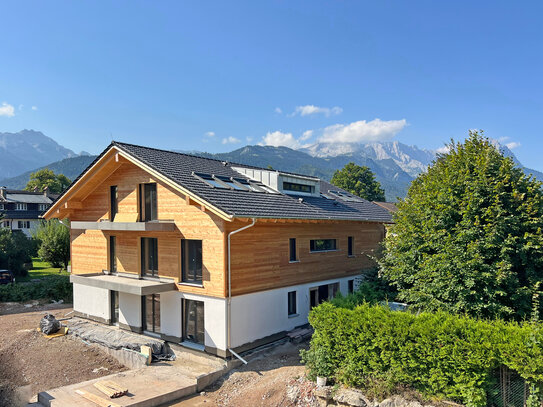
(123, 284)
(151, 226)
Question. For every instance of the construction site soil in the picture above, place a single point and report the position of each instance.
(30, 362)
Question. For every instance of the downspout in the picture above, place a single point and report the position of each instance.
(229, 304)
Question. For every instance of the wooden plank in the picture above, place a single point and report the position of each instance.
(102, 402)
(110, 388)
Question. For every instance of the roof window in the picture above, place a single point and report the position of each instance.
(237, 184)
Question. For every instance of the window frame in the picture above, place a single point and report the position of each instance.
(144, 257)
(113, 254)
(298, 188)
(21, 206)
(292, 304)
(313, 246)
(144, 326)
(292, 251)
(113, 202)
(144, 215)
(184, 264)
(350, 246)
(350, 286)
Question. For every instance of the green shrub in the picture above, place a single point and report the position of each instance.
(52, 288)
(440, 355)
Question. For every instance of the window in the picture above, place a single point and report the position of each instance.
(318, 295)
(291, 186)
(350, 286)
(191, 261)
(322, 245)
(113, 203)
(292, 303)
(149, 256)
(1, 207)
(193, 321)
(114, 313)
(20, 207)
(292, 249)
(112, 254)
(42, 207)
(23, 224)
(148, 203)
(151, 313)
(350, 241)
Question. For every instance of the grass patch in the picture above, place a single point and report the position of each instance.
(41, 269)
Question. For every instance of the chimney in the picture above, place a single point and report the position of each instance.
(3, 193)
(46, 192)
(35, 189)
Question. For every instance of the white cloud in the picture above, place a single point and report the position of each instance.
(230, 140)
(209, 134)
(278, 138)
(34, 107)
(362, 131)
(278, 110)
(308, 110)
(249, 139)
(512, 145)
(306, 135)
(7, 110)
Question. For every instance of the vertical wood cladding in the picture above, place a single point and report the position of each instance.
(260, 255)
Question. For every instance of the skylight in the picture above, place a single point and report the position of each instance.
(237, 184)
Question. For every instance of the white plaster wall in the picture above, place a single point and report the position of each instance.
(92, 300)
(27, 232)
(130, 309)
(170, 314)
(257, 315)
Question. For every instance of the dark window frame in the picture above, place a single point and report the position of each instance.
(185, 320)
(113, 202)
(350, 246)
(153, 312)
(187, 275)
(148, 202)
(295, 187)
(293, 256)
(322, 245)
(145, 260)
(350, 286)
(114, 311)
(292, 306)
(113, 254)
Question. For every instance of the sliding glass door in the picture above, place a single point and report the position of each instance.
(193, 321)
(151, 312)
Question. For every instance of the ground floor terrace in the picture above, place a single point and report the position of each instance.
(157, 308)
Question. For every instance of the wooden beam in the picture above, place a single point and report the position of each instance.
(73, 205)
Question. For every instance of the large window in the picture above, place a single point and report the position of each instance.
(292, 249)
(322, 245)
(191, 261)
(23, 224)
(292, 303)
(149, 257)
(350, 245)
(291, 186)
(325, 292)
(113, 202)
(193, 321)
(112, 254)
(148, 202)
(151, 312)
(20, 207)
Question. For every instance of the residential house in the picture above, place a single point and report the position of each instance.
(21, 210)
(217, 256)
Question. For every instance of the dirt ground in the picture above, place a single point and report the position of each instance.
(30, 363)
(262, 382)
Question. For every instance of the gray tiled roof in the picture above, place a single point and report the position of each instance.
(178, 168)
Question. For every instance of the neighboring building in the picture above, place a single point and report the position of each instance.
(21, 210)
(181, 235)
(389, 206)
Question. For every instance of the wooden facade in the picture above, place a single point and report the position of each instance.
(260, 255)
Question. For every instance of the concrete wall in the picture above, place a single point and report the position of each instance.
(130, 310)
(92, 301)
(258, 315)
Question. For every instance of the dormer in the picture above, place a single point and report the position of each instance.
(290, 184)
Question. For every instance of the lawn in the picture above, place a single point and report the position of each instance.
(41, 269)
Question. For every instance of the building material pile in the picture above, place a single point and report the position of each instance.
(110, 388)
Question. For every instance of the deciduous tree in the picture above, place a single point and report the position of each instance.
(46, 178)
(359, 181)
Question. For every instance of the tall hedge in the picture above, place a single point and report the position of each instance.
(439, 354)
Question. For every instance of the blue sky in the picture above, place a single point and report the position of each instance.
(215, 76)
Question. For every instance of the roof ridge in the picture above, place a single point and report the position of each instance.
(212, 159)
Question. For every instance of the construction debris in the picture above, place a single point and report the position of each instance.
(110, 388)
(102, 402)
(49, 324)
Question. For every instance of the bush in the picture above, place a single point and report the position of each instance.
(52, 288)
(440, 355)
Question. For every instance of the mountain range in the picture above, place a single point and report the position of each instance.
(395, 164)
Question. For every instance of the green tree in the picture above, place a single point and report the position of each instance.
(15, 250)
(46, 178)
(359, 181)
(54, 238)
(468, 236)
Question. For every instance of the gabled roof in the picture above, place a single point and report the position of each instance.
(178, 168)
(20, 196)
